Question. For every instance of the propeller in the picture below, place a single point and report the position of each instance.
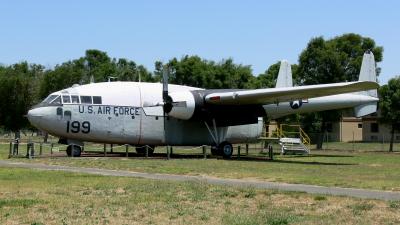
(167, 100)
(167, 106)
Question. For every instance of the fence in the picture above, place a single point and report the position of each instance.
(25, 136)
(41, 149)
(331, 141)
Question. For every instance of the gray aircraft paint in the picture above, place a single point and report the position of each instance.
(129, 124)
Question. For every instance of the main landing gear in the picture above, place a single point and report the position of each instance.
(76, 150)
(225, 149)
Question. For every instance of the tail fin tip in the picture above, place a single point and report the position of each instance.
(284, 78)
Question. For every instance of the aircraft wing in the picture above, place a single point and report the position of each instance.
(285, 94)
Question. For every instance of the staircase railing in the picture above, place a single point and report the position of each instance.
(305, 138)
(278, 132)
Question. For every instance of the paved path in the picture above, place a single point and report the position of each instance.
(313, 189)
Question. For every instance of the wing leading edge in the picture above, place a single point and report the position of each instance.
(284, 94)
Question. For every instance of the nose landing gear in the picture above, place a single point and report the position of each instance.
(76, 150)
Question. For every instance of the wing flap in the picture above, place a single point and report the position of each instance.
(284, 94)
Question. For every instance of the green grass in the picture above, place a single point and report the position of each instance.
(25, 203)
(52, 197)
(359, 169)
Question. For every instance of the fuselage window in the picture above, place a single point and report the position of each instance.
(67, 115)
(86, 99)
(96, 99)
(59, 111)
(56, 101)
(75, 98)
(66, 99)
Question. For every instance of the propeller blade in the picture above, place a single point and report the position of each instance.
(165, 83)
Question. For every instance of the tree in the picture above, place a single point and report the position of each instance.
(335, 60)
(331, 61)
(95, 64)
(389, 106)
(19, 85)
(194, 71)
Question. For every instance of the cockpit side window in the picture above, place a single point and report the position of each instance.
(75, 98)
(66, 99)
(86, 99)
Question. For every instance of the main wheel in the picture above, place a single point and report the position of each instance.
(75, 149)
(226, 149)
(142, 149)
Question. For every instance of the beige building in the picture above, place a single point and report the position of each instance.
(270, 128)
(365, 129)
(348, 129)
(377, 132)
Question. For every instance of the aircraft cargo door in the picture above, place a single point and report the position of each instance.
(123, 120)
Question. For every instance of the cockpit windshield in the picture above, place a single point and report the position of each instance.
(49, 99)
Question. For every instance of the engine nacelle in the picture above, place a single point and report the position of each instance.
(183, 105)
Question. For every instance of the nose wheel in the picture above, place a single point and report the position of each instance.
(76, 150)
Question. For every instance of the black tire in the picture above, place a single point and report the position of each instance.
(215, 151)
(77, 150)
(225, 149)
(142, 150)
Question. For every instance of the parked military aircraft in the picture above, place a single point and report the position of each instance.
(156, 114)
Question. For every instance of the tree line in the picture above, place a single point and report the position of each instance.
(322, 61)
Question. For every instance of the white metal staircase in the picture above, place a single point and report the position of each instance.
(293, 145)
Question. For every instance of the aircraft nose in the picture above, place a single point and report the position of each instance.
(35, 116)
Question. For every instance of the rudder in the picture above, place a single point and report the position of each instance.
(368, 72)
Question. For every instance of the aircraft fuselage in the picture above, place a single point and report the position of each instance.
(120, 117)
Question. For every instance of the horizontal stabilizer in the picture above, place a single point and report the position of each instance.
(366, 109)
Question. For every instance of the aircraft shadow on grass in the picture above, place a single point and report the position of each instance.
(322, 155)
(235, 158)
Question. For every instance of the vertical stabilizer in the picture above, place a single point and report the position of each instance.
(285, 75)
(368, 72)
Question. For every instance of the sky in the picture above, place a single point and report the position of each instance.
(256, 33)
